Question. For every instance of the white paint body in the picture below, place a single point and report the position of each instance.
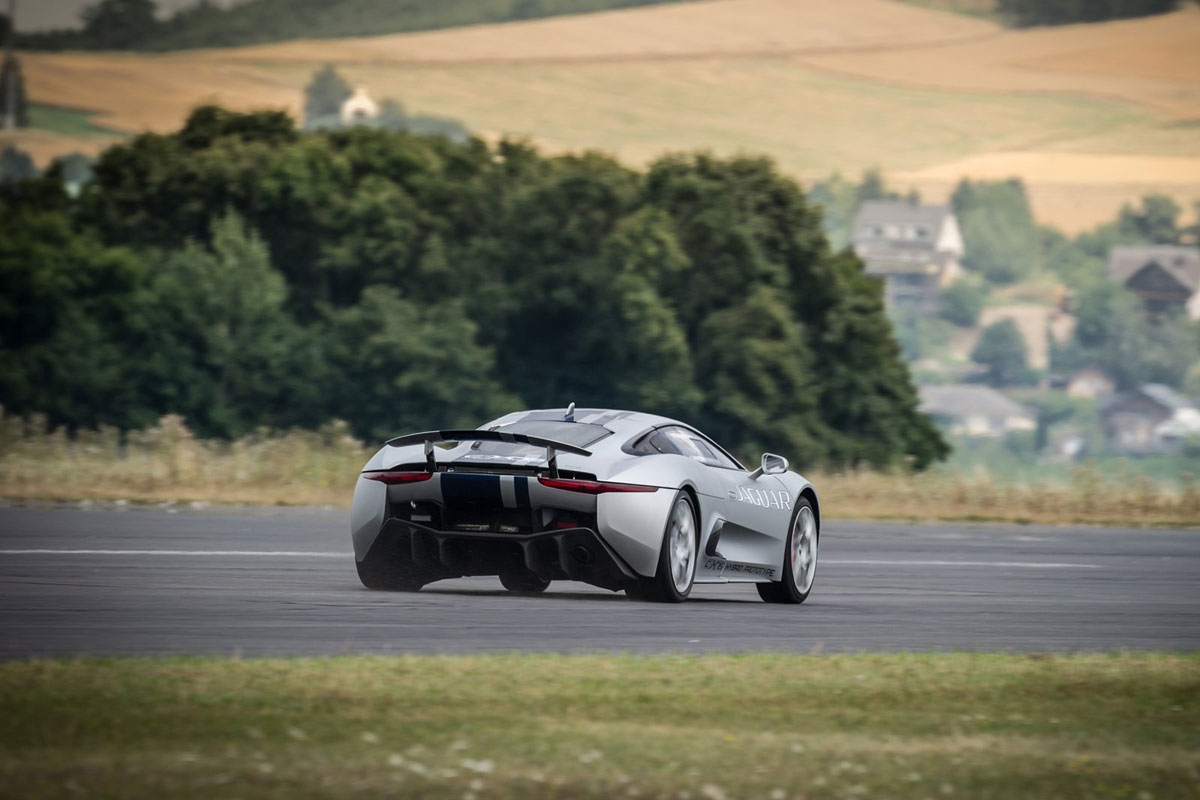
(743, 518)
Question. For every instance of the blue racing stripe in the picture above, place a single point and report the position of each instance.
(522, 484)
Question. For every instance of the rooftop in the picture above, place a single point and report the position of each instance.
(901, 212)
(962, 400)
(1165, 396)
(1181, 262)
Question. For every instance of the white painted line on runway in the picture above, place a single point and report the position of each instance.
(1003, 564)
(284, 553)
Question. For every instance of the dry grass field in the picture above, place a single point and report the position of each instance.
(167, 465)
(1090, 116)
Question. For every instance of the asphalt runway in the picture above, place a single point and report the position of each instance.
(282, 582)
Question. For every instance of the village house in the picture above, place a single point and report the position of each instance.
(975, 411)
(1151, 419)
(1166, 277)
(915, 248)
(1089, 383)
(359, 108)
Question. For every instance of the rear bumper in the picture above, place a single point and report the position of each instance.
(577, 554)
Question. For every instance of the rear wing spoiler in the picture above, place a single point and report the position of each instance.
(429, 438)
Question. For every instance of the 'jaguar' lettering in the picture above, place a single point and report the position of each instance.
(765, 498)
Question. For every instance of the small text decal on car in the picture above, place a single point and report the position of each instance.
(721, 565)
(764, 498)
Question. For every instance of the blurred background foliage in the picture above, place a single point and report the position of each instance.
(243, 273)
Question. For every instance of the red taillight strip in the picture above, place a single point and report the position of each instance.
(593, 487)
(392, 478)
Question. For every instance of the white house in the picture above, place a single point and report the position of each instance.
(359, 107)
(915, 248)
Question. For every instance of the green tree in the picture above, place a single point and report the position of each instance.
(216, 341)
(585, 272)
(1156, 222)
(396, 366)
(1113, 332)
(400, 281)
(120, 24)
(1000, 237)
(962, 303)
(867, 397)
(920, 335)
(62, 302)
(760, 385)
(528, 9)
(325, 94)
(1001, 349)
(1076, 265)
(1064, 12)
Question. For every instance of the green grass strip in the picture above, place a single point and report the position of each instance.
(67, 121)
(547, 726)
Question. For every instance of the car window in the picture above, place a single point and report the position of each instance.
(693, 445)
(654, 443)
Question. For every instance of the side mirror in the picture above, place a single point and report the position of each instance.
(771, 465)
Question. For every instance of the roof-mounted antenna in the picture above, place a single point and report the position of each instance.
(570, 415)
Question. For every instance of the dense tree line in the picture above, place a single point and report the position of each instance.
(135, 24)
(1024, 13)
(244, 273)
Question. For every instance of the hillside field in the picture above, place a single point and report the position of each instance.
(1090, 116)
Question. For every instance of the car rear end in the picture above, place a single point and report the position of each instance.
(491, 508)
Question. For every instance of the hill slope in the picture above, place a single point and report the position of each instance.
(822, 85)
(256, 21)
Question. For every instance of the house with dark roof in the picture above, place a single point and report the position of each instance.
(1166, 277)
(1151, 419)
(914, 248)
(974, 410)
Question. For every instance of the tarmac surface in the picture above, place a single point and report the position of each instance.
(282, 582)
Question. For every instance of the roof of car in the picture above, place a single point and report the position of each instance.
(615, 420)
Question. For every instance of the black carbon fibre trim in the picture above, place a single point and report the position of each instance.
(485, 436)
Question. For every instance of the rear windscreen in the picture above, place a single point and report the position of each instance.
(574, 433)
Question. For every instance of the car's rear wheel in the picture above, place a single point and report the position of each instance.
(672, 582)
(524, 582)
(799, 560)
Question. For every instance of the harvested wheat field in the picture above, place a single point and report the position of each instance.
(1090, 116)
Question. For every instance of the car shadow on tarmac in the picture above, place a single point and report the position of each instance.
(617, 597)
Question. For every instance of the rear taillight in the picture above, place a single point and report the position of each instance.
(393, 478)
(593, 487)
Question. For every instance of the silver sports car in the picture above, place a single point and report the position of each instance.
(617, 499)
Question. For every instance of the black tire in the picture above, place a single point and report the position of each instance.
(786, 590)
(524, 582)
(389, 567)
(662, 588)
